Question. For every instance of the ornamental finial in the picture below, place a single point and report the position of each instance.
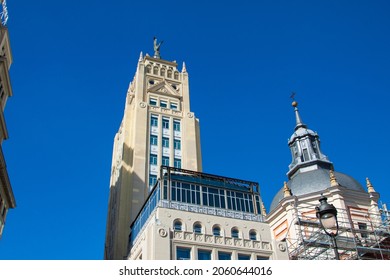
(370, 187)
(184, 69)
(333, 180)
(286, 190)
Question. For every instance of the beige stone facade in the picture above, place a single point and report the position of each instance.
(161, 241)
(7, 199)
(158, 128)
(194, 215)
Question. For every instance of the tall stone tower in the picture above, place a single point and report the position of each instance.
(158, 128)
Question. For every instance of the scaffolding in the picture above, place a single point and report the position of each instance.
(363, 234)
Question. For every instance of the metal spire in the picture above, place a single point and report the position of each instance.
(298, 119)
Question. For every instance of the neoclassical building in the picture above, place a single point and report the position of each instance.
(364, 231)
(7, 199)
(198, 216)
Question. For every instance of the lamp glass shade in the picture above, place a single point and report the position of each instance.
(328, 220)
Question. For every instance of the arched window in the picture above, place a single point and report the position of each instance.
(216, 231)
(148, 69)
(169, 73)
(197, 228)
(162, 72)
(178, 226)
(235, 232)
(155, 70)
(176, 76)
(252, 234)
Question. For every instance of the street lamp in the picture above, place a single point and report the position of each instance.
(327, 214)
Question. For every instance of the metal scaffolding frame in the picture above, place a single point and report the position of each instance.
(363, 235)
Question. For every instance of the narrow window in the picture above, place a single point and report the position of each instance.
(166, 123)
(176, 125)
(177, 163)
(165, 142)
(252, 235)
(197, 228)
(173, 106)
(165, 161)
(154, 121)
(363, 230)
(153, 101)
(177, 226)
(153, 140)
(153, 159)
(163, 104)
(216, 231)
(152, 180)
(234, 232)
(177, 144)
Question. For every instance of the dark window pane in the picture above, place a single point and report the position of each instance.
(183, 253)
(204, 255)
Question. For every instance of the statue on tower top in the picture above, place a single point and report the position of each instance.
(156, 47)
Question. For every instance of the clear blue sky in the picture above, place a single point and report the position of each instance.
(73, 61)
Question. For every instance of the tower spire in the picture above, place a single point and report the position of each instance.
(298, 119)
(305, 147)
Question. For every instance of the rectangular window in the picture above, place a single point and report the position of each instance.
(165, 123)
(177, 163)
(153, 159)
(163, 104)
(363, 230)
(224, 256)
(204, 255)
(152, 180)
(165, 161)
(174, 106)
(177, 144)
(153, 101)
(183, 253)
(165, 142)
(154, 121)
(262, 258)
(153, 140)
(176, 125)
(243, 257)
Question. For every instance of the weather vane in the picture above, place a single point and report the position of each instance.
(4, 12)
(293, 96)
(156, 47)
(294, 103)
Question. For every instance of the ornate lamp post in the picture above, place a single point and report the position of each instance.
(327, 214)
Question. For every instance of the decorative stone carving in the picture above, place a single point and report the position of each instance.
(142, 104)
(190, 115)
(162, 232)
(282, 247)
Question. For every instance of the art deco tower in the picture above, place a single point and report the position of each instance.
(158, 128)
